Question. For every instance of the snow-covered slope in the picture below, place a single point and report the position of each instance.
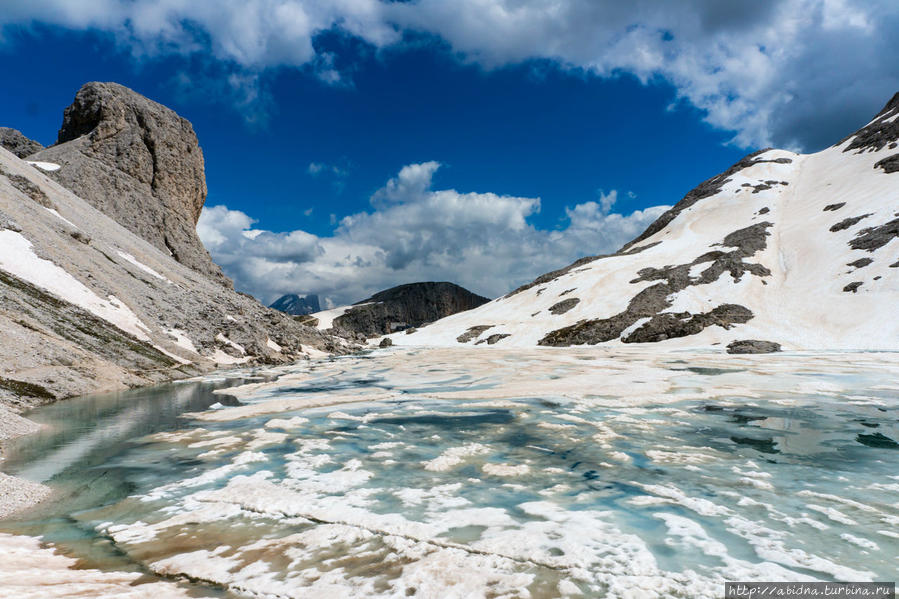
(800, 250)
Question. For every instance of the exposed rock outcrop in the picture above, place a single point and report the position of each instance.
(881, 131)
(473, 332)
(406, 306)
(139, 163)
(752, 346)
(18, 144)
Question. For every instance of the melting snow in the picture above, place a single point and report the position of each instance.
(181, 340)
(18, 259)
(142, 266)
(44, 166)
(220, 357)
(61, 217)
(222, 339)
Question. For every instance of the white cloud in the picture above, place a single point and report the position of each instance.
(253, 257)
(482, 241)
(788, 72)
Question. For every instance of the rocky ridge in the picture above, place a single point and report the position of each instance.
(87, 305)
(18, 144)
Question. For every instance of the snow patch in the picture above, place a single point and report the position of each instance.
(220, 357)
(44, 166)
(62, 218)
(18, 258)
(142, 266)
(181, 340)
(222, 339)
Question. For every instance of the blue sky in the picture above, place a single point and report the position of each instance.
(367, 144)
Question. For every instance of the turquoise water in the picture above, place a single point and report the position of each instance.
(526, 496)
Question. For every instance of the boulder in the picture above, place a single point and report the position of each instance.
(753, 346)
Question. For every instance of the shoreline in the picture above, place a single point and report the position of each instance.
(17, 494)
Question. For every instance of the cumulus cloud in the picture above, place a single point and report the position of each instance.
(483, 241)
(793, 73)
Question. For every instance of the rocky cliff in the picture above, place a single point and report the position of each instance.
(139, 163)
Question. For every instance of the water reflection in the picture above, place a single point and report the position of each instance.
(534, 491)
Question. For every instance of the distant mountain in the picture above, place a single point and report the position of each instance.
(400, 308)
(782, 249)
(297, 306)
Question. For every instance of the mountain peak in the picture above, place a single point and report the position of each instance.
(882, 130)
(295, 305)
(891, 106)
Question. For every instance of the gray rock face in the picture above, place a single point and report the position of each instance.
(874, 238)
(564, 306)
(848, 222)
(494, 339)
(473, 333)
(406, 306)
(890, 164)
(18, 144)
(139, 163)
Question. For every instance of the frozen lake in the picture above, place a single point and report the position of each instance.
(494, 473)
